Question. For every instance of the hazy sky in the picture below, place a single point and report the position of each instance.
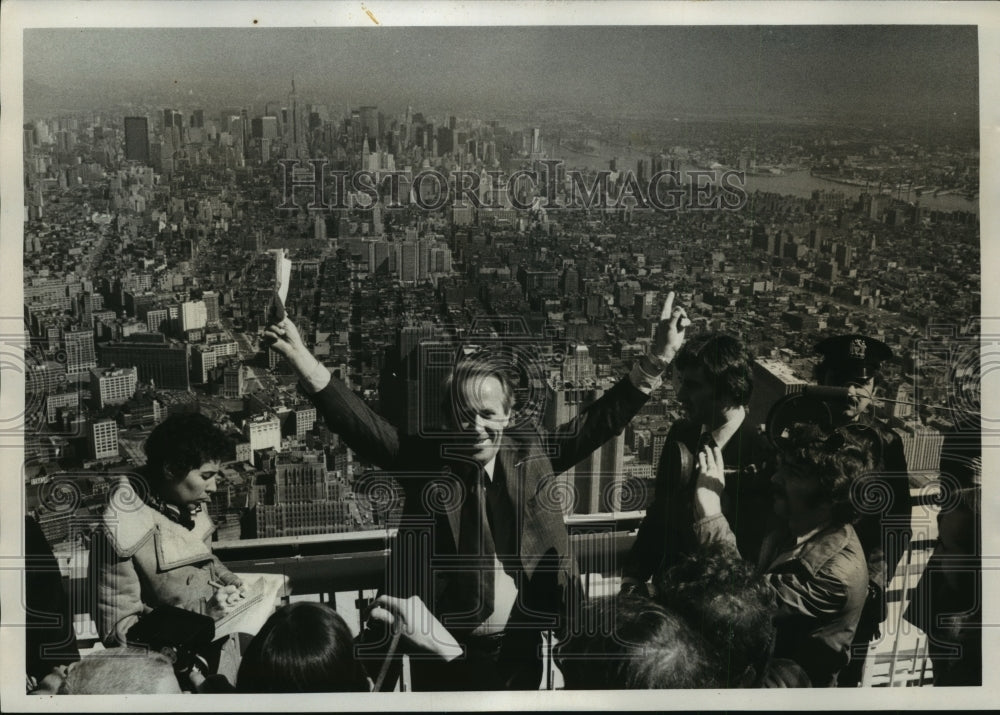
(745, 69)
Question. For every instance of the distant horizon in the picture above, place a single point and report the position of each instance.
(924, 74)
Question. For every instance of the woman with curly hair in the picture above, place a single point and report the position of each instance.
(813, 562)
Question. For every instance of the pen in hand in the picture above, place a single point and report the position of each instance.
(233, 597)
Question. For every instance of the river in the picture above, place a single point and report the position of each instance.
(795, 183)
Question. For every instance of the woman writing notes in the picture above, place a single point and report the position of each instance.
(152, 549)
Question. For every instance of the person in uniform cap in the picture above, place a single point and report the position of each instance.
(853, 362)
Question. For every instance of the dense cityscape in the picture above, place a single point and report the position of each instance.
(151, 236)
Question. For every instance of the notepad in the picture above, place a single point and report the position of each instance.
(262, 595)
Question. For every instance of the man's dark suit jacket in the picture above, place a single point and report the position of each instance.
(433, 475)
(666, 534)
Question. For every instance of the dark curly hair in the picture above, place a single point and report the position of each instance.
(632, 642)
(729, 602)
(727, 364)
(304, 647)
(183, 442)
(835, 461)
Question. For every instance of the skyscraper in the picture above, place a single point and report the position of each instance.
(80, 353)
(211, 300)
(113, 386)
(137, 139)
(194, 315)
(103, 439)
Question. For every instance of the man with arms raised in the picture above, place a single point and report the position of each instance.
(482, 541)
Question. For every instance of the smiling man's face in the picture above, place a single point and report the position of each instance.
(482, 412)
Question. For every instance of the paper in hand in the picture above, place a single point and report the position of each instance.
(282, 276)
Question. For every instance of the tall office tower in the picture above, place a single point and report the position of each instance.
(536, 140)
(168, 119)
(264, 127)
(158, 320)
(772, 380)
(411, 397)
(113, 385)
(157, 361)
(245, 131)
(263, 431)
(29, 141)
(369, 122)
(562, 405)
(578, 368)
(606, 494)
(232, 386)
(305, 418)
(80, 352)
(103, 439)
(193, 315)
(293, 100)
(137, 139)
(211, 300)
(922, 446)
(198, 118)
(203, 361)
(844, 254)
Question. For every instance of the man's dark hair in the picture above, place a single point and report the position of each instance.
(834, 461)
(727, 363)
(304, 647)
(632, 642)
(183, 442)
(726, 600)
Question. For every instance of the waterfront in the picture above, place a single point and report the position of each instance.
(795, 183)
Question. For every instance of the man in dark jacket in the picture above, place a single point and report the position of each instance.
(482, 539)
(714, 380)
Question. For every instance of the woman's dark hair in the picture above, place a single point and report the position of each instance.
(630, 642)
(727, 364)
(183, 442)
(303, 648)
(834, 461)
(730, 603)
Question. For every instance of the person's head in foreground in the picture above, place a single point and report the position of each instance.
(115, 671)
(816, 473)
(726, 600)
(632, 642)
(302, 648)
(182, 459)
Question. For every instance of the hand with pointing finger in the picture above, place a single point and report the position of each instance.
(669, 331)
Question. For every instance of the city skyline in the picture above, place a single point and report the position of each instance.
(152, 209)
(924, 74)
